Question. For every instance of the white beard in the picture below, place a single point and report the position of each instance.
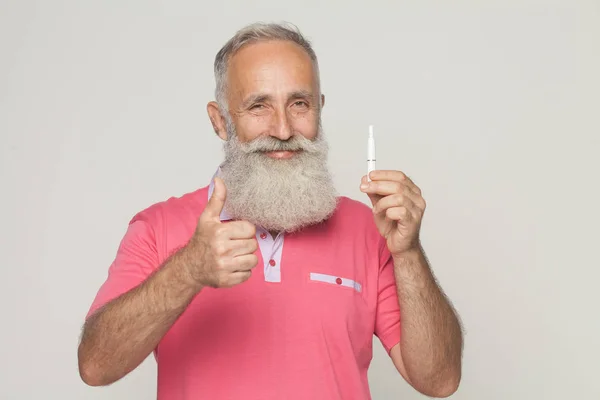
(278, 195)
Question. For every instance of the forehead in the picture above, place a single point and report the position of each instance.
(272, 65)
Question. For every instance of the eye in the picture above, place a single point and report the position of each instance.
(301, 103)
(257, 107)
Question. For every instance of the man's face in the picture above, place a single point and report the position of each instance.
(273, 92)
(275, 166)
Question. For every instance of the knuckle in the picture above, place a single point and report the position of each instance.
(253, 260)
(251, 228)
(221, 265)
(254, 246)
(220, 230)
(219, 248)
(250, 261)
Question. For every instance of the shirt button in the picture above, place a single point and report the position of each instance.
(338, 281)
(272, 263)
(263, 235)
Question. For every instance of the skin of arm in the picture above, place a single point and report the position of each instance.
(430, 349)
(120, 335)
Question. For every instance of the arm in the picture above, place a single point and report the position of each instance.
(120, 335)
(430, 348)
(429, 353)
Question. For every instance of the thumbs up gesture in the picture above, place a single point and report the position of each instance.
(222, 254)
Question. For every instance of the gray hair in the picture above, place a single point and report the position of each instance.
(251, 34)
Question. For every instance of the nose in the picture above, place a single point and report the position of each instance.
(282, 128)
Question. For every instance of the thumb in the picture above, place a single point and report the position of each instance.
(217, 199)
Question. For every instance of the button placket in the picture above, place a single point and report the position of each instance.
(271, 253)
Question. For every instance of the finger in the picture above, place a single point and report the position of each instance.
(400, 214)
(395, 201)
(381, 189)
(238, 277)
(245, 262)
(409, 198)
(385, 188)
(217, 200)
(396, 176)
(239, 230)
(241, 247)
(374, 197)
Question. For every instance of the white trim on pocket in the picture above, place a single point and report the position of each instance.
(335, 280)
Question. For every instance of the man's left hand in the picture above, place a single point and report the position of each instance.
(398, 208)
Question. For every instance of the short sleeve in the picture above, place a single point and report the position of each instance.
(387, 319)
(135, 260)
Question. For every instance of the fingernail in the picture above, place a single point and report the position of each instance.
(364, 186)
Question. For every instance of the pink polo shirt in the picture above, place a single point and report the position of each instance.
(301, 327)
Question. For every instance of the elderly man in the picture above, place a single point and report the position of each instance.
(264, 283)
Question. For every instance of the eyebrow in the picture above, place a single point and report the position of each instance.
(261, 97)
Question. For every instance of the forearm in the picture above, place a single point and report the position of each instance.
(431, 336)
(118, 337)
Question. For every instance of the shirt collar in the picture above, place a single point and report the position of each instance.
(224, 216)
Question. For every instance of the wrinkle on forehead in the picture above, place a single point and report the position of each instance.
(274, 67)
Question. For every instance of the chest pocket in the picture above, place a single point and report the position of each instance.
(335, 280)
(341, 316)
(338, 300)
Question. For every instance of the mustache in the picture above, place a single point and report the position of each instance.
(269, 143)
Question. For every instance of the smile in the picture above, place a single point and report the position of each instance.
(281, 154)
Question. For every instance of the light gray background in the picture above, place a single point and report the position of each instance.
(492, 107)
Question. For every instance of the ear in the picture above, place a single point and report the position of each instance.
(216, 119)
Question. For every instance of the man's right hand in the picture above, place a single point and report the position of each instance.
(221, 254)
(120, 335)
